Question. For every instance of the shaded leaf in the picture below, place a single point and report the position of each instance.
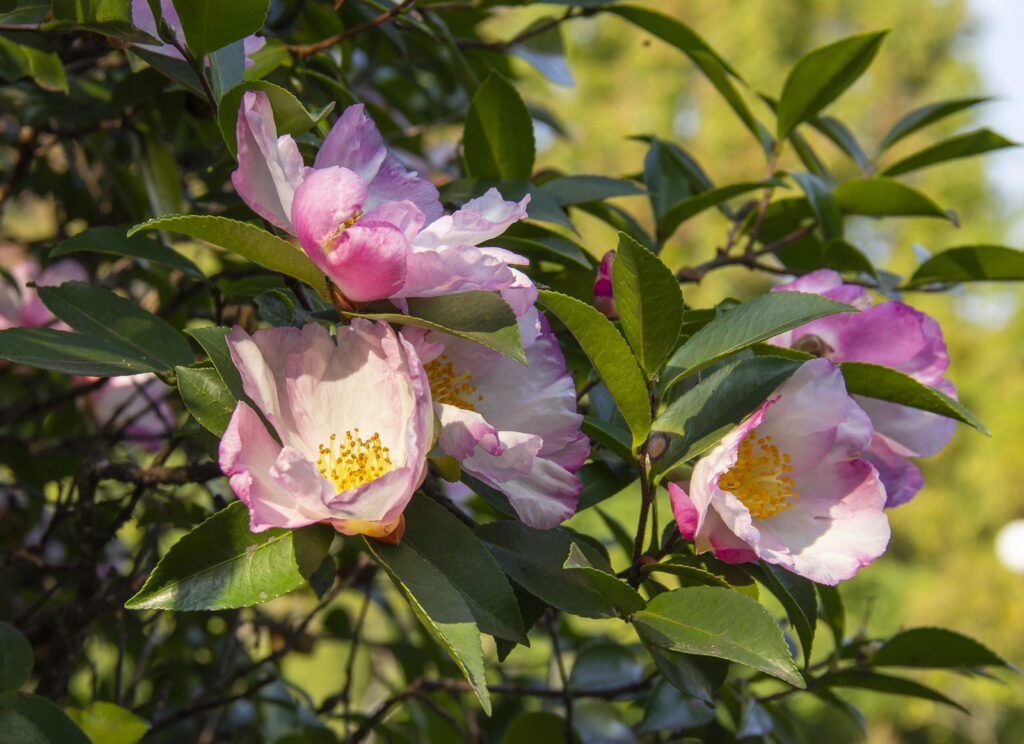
(290, 116)
(72, 353)
(206, 397)
(45, 718)
(109, 723)
(971, 263)
(819, 195)
(113, 240)
(498, 136)
(924, 116)
(683, 210)
(15, 658)
(935, 648)
(797, 596)
(865, 679)
(883, 197)
(569, 190)
(213, 341)
(625, 598)
(964, 145)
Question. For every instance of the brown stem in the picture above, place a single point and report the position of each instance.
(153, 475)
(304, 50)
(530, 32)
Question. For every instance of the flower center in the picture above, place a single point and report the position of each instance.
(759, 479)
(449, 386)
(326, 244)
(353, 461)
(813, 345)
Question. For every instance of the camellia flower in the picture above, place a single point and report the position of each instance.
(20, 306)
(604, 297)
(136, 405)
(354, 421)
(894, 335)
(142, 18)
(789, 485)
(373, 227)
(513, 427)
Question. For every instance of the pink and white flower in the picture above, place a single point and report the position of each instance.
(513, 427)
(353, 417)
(604, 296)
(373, 227)
(20, 305)
(790, 485)
(135, 405)
(895, 335)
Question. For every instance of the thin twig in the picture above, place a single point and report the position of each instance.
(304, 50)
(148, 476)
(528, 33)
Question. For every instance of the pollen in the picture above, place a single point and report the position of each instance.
(352, 461)
(761, 477)
(326, 244)
(449, 386)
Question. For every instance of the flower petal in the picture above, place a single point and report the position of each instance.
(325, 201)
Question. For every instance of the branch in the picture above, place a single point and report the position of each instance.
(304, 50)
(528, 33)
(36, 408)
(154, 475)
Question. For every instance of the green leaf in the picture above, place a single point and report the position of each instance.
(212, 339)
(819, 195)
(843, 256)
(109, 723)
(865, 679)
(962, 146)
(498, 136)
(885, 383)
(221, 564)
(112, 240)
(209, 25)
(683, 210)
(227, 67)
(46, 718)
(290, 116)
(22, 60)
(452, 548)
(649, 302)
(110, 318)
(820, 76)
(15, 658)
(534, 559)
(625, 598)
(924, 116)
(276, 307)
(611, 357)
(440, 607)
(705, 413)
(833, 612)
(683, 673)
(748, 323)
(476, 315)
(601, 482)
(206, 397)
(971, 263)
(935, 648)
(176, 69)
(107, 17)
(883, 197)
(20, 730)
(612, 436)
(668, 708)
(538, 727)
(713, 621)
(545, 245)
(841, 137)
(569, 190)
(71, 353)
(797, 596)
(246, 240)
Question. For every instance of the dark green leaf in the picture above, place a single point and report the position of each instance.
(22, 60)
(47, 718)
(440, 607)
(110, 318)
(71, 353)
(833, 612)
(109, 723)
(612, 436)
(843, 256)
(498, 136)
(605, 665)
(452, 548)
(819, 195)
(935, 648)
(668, 708)
(209, 25)
(290, 116)
(924, 116)
(547, 246)
(683, 210)
(820, 76)
(113, 240)
(971, 263)
(600, 482)
(275, 307)
(206, 397)
(748, 323)
(713, 621)
(20, 730)
(842, 137)
(962, 146)
(619, 219)
(221, 564)
(175, 69)
(212, 339)
(865, 679)
(649, 302)
(611, 357)
(534, 558)
(885, 383)
(15, 658)
(810, 158)
(538, 727)
(107, 17)
(884, 197)
(797, 597)
(625, 598)
(568, 190)
(683, 673)
(246, 240)
(227, 67)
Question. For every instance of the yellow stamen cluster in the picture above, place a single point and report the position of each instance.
(449, 386)
(353, 461)
(759, 479)
(325, 245)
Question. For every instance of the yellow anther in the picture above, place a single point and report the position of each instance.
(451, 387)
(354, 462)
(757, 477)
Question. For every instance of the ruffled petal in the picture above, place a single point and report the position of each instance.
(480, 219)
(368, 261)
(327, 201)
(353, 143)
(908, 431)
(901, 477)
(260, 360)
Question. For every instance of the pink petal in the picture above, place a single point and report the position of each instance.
(901, 477)
(325, 201)
(688, 517)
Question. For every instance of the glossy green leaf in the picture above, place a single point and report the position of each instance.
(797, 596)
(612, 436)
(109, 723)
(833, 612)
(841, 137)
(601, 482)
(884, 197)
(611, 357)
(964, 145)
(534, 559)
(713, 621)
(625, 598)
(819, 195)
(227, 68)
(451, 547)
(110, 318)
(885, 383)
(866, 679)
(820, 76)
(568, 190)
(971, 263)
(748, 323)
(683, 210)
(206, 397)
(935, 648)
(246, 240)
(476, 315)
(72, 353)
(683, 673)
(15, 658)
(605, 665)
(275, 307)
(924, 116)
(290, 116)
(209, 25)
(498, 136)
(112, 240)
(440, 607)
(46, 718)
(222, 564)
(544, 245)
(107, 17)
(649, 302)
(212, 339)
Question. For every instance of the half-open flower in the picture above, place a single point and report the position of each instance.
(353, 422)
(604, 296)
(513, 427)
(789, 485)
(895, 335)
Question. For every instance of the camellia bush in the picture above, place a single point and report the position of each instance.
(311, 365)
